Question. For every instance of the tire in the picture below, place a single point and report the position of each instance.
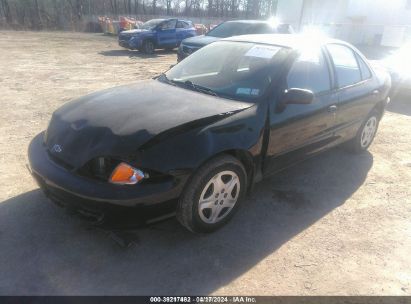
(366, 133)
(210, 184)
(148, 47)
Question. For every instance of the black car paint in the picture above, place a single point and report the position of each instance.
(172, 130)
(120, 120)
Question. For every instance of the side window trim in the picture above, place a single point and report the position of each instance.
(330, 69)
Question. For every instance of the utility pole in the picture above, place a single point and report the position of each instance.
(300, 21)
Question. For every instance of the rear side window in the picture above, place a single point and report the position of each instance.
(182, 24)
(169, 25)
(365, 70)
(310, 71)
(345, 63)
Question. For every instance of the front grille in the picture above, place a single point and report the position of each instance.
(59, 162)
(88, 210)
(125, 38)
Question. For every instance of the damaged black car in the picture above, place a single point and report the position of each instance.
(193, 141)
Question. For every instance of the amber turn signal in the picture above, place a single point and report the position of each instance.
(124, 174)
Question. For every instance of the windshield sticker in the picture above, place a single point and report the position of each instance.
(255, 92)
(243, 91)
(262, 51)
(248, 91)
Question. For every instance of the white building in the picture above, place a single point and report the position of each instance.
(380, 22)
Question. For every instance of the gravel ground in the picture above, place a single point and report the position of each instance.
(338, 224)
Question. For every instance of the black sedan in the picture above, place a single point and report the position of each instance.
(229, 29)
(193, 141)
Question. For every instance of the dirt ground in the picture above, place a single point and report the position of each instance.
(338, 224)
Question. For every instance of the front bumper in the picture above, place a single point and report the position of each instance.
(132, 43)
(124, 44)
(71, 190)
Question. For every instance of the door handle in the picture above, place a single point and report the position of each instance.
(375, 92)
(332, 109)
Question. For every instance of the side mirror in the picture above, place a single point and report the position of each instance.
(297, 96)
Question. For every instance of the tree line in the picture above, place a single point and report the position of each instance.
(76, 14)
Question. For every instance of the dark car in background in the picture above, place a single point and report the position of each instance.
(193, 141)
(229, 29)
(157, 34)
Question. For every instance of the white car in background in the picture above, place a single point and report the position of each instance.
(398, 64)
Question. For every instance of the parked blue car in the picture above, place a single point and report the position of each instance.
(157, 34)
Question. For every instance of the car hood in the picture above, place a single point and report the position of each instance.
(118, 121)
(134, 32)
(200, 41)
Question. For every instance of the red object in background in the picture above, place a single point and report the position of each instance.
(201, 29)
(127, 23)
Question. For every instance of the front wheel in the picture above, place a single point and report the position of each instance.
(213, 195)
(148, 47)
(365, 134)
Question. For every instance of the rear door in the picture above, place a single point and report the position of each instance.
(182, 31)
(356, 89)
(167, 34)
(301, 130)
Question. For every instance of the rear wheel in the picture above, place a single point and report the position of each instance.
(365, 134)
(148, 47)
(213, 195)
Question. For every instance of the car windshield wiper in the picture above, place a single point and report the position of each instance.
(194, 86)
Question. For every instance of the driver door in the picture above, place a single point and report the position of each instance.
(298, 131)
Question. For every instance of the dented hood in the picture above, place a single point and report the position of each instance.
(118, 121)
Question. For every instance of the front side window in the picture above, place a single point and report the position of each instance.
(235, 70)
(182, 24)
(345, 64)
(151, 24)
(310, 71)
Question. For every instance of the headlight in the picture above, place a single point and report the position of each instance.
(125, 174)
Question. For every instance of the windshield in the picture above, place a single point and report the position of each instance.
(235, 70)
(151, 24)
(229, 29)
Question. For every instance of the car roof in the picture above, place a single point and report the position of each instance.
(185, 20)
(293, 41)
(247, 21)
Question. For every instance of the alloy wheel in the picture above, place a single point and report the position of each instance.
(219, 197)
(368, 131)
(149, 47)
